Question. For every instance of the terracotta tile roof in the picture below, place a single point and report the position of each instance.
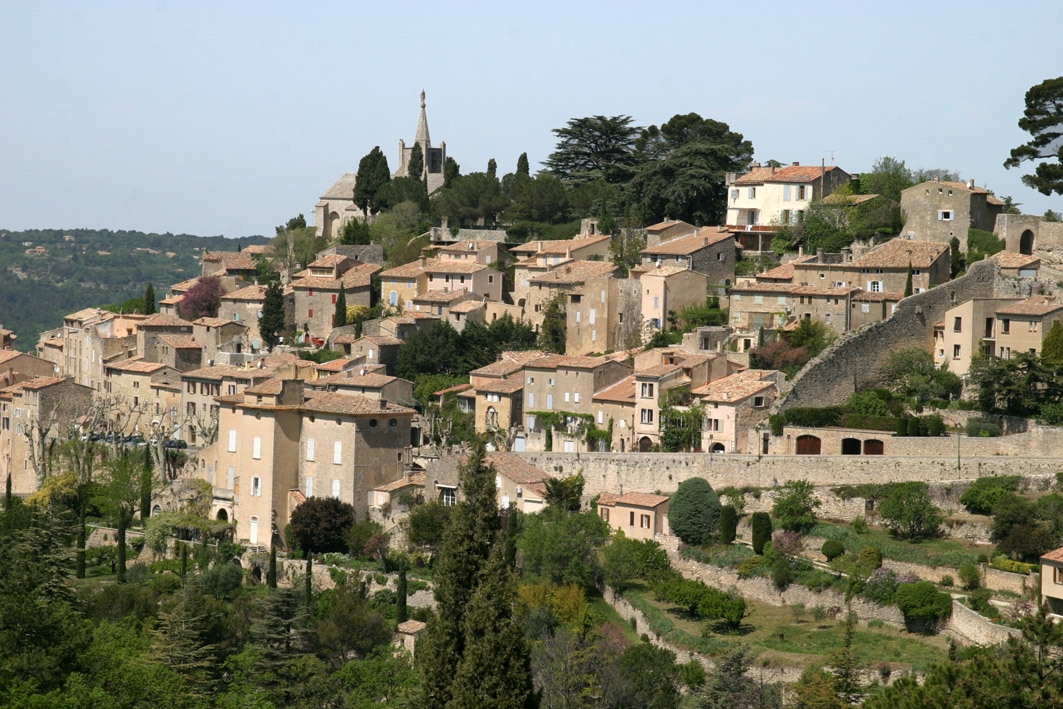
(383, 340)
(253, 293)
(328, 261)
(640, 499)
(555, 361)
(508, 363)
(463, 246)
(784, 272)
(358, 276)
(346, 338)
(607, 499)
(661, 226)
(270, 387)
(450, 390)
(467, 306)
(737, 387)
(458, 267)
(692, 243)
(850, 199)
(898, 253)
(559, 246)
(1054, 555)
(575, 272)
(169, 386)
(231, 260)
(413, 269)
(180, 342)
(657, 371)
(438, 297)
(136, 365)
(414, 480)
(40, 383)
(880, 297)
(1010, 259)
(215, 373)
(351, 404)
(338, 365)
(1038, 305)
(6, 355)
(258, 249)
(184, 285)
(665, 271)
(623, 392)
(756, 176)
(990, 199)
(172, 300)
(515, 468)
(790, 288)
(350, 379)
(83, 314)
(160, 320)
(799, 173)
(501, 386)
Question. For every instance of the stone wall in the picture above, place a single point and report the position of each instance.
(998, 580)
(855, 359)
(974, 628)
(650, 472)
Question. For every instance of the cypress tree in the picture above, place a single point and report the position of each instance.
(8, 496)
(400, 601)
(492, 168)
(79, 555)
(145, 484)
(309, 591)
(121, 544)
(271, 575)
(761, 528)
(184, 561)
(522, 165)
(495, 669)
(272, 322)
(908, 282)
(149, 300)
(512, 532)
(463, 551)
(339, 318)
(415, 168)
(728, 523)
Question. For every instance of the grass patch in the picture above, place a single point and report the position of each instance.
(929, 552)
(608, 614)
(720, 555)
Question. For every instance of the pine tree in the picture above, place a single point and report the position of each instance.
(463, 551)
(415, 167)
(339, 318)
(177, 642)
(495, 669)
(845, 669)
(400, 597)
(149, 300)
(522, 165)
(272, 322)
(271, 575)
(1052, 347)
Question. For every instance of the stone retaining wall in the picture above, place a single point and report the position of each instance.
(973, 628)
(998, 580)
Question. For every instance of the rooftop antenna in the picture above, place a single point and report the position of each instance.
(829, 150)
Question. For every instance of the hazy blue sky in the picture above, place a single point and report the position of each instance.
(230, 117)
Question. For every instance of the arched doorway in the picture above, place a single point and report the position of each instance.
(850, 446)
(808, 445)
(873, 447)
(717, 448)
(155, 510)
(1026, 243)
(223, 516)
(645, 444)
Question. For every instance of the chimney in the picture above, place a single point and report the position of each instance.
(795, 163)
(383, 404)
(538, 246)
(970, 184)
(423, 261)
(773, 169)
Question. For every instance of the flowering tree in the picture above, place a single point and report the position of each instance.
(202, 299)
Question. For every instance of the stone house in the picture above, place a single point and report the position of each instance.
(1016, 265)
(535, 258)
(468, 311)
(667, 230)
(968, 327)
(87, 339)
(180, 352)
(149, 346)
(376, 349)
(563, 279)
(938, 211)
(127, 389)
(471, 251)
(614, 410)
(1052, 581)
(1023, 325)
(335, 207)
(866, 308)
(638, 515)
(497, 391)
(315, 294)
(7, 338)
(33, 414)
(363, 253)
(16, 367)
(709, 251)
(669, 289)
(603, 315)
(216, 335)
(276, 440)
(519, 483)
(773, 306)
(239, 264)
(399, 286)
(733, 406)
(368, 384)
(660, 370)
(440, 303)
(245, 306)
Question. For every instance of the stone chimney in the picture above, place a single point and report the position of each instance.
(795, 163)
(383, 404)
(970, 184)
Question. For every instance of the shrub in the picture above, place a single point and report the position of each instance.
(760, 523)
(1003, 563)
(728, 523)
(819, 613)
(913, 427)
(781, 575)
(832, 549)
(946, 581)
(751, 566)
(703, 601)
(321, 523)
(220, 580)
(983, 428)
(979, 601)
(922, 604)
(981, 497)
(859, 525)
(935, 425)
(881, 587)
(795, 506)
(970, 577)
(693, 511)
(692, 674)
(909, 513)
(870, 558)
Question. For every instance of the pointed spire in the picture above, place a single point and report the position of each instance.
(422, 127)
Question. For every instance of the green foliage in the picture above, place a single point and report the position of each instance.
(553, 330)
(760, 524)
(593, 148)
(832, 549)
(693, 511)
(870, 558)
(565, 493)
(911, 373)
(1042, 119)
(360, 536)
(909, 513)
(627, 560)
(220, 580)
(970, 576)
(1002, 563)
(781, 575)
(320, 524)
(355, 233)
(426, 524)
(562, 547)
(795, 506)
(986, 492)
(887, 177)
(373, 174)
(434, 350)
(339, 317)
(702, 601)
(922, 604)
(728, 523)
(272, 322)
(1019, 386)
(1019, 531)
(1052, 346)
(981, 244)
(867, 403)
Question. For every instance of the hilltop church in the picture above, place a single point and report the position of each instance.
(336, 206)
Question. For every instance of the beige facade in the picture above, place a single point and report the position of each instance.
(1052, 581)
(638, 515)
(734, 405)
(669, 289)
(16, 367)
(709, 251)
(938, 211)
(315, 294)
(667, 230)
(603, 316)
(217, 335)
(470, 251)
(614, 410)
(778, 196)
(127, 389)
(563, 279)
(775, 305)
(969, 327)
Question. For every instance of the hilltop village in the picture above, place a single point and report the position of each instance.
(603, 370)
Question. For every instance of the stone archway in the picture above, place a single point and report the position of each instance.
(645, 444)
(850, 446)
(717, 448)
(1026, 242)
(223, 516)
(808, 445)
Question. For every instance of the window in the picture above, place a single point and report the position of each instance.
(337, 453)
(734, 195)
(646, 416)
(647, 390)
(784, 216)
(945, 215)
(594, 335)
(256, 487)
(875, 286)
(758, 402)
(601, 414)
(310, 292)
(566, 397)
(448, 496)
(644, 521)
(865, 307)
(393, 298)
(590, 316)
(957, 324)
(802, 192)
(310, 449)
(1005, 326)
(751, 193)
(531, 399)
(549, 401)
(333, 298)
(781, 300)
(826, 319)
(335, 488)
(758, 300)
(232, 440)
(955, 351)
(631, 519)
(603, 512)
(575, 398)
(310, 314)
(656, 303)
(1057, 574)
(256, 448)
(551, 381)
(578, 316)
(785, 195)
(603, 296)
(531, 380)
(308, 487)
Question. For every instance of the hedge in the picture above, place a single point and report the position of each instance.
(703, 601)
(1003, 563)
(869, 423)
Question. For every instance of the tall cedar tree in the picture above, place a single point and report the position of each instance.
(339, 318)
(373, 173)
(463, 552)
(415, 168)
(149, 300)
(495, 670)
(271, 324)
(1043, 120)
(202, 299)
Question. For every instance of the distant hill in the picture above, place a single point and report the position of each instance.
(48, 273)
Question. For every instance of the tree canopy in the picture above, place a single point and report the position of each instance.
(594, 147)
(1043, 120)
(373, 174)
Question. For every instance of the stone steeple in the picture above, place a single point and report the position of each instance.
(421, 136)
